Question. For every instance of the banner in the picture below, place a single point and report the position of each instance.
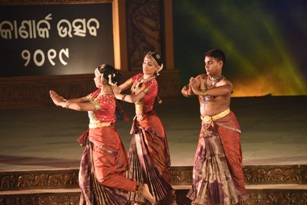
(55, 39)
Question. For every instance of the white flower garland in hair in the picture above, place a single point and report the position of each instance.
(161, 67)
(110, 80)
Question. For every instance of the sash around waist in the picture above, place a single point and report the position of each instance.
(209, 119)
(99, 124)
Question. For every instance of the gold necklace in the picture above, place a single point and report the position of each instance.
(105, 90)
(140, 82)
(213, 81)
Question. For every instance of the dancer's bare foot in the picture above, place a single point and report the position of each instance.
(147, 195)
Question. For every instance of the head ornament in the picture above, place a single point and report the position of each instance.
(156, 58)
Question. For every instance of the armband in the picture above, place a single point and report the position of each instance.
(204, 92)
(128, 82)
(96, 105)
(145, 90)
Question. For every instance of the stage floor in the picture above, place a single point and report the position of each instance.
(274, 132)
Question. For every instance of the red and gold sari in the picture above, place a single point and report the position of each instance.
(104, 161)
(149, 156)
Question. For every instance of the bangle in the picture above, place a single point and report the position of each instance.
(123, 98)
(63, 106)
(66, 104)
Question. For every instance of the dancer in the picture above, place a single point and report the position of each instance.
(104, 161)
(149, 156)
(217, 173)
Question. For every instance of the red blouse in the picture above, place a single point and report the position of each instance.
(105, 108)
(145, 104)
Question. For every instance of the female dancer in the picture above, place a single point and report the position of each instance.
(104, 161)
(149, 156)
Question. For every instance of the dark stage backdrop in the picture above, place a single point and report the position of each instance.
(264, 41)
(55, 39)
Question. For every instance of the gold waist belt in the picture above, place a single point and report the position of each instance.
(99, 124)
(208, 119)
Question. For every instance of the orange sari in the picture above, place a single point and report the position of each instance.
(104, 161)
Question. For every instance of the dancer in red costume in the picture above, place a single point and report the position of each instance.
(217, 174)
(104, 161)
(149, 156)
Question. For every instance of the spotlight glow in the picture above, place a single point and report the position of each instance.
(260, 54)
